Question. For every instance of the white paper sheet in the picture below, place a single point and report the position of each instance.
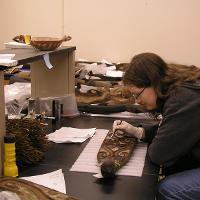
(87, 161)
(54, 180)
(69, 135)
(17, 45)
(47, 61)
(7, 60)
(113, 73)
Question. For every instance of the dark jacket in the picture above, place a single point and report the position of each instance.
(179, 132)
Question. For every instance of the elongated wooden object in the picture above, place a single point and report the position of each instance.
(115, 152)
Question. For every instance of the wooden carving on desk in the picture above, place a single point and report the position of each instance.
(18, 189)
(115, 152)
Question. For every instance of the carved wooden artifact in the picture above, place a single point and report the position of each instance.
(115, 152)
(18, 189)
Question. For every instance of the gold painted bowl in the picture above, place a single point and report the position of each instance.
(48, 43)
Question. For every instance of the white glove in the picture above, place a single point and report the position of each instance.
(129, 129)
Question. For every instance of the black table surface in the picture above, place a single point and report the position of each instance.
(83, 185)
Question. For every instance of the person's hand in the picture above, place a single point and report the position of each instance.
(129, 129)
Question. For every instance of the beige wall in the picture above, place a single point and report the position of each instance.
(35, 17)
(111, 29)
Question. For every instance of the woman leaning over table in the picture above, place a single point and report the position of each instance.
(174, 92)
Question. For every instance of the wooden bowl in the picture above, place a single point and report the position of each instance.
(48, 43)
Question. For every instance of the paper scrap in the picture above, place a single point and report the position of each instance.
(47, 61)
(98, 175)
(54, 180)
(71, 135)
(17, 45)
(87, 160)
(86, 88)
(6, 60)
(105, 61)
(7, 56)
(116, 73)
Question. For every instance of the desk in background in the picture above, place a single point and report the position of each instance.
(58, 81)
(83, 185)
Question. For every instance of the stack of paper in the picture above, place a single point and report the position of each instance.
(54, 180)
(6, 60)
(17, 45)
(71, 135)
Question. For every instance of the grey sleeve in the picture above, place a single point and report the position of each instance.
(178, 132)
(150, 131)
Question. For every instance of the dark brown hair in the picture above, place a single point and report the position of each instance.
(150, 70)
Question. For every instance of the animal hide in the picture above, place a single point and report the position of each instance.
(112, 96)
(92, 96)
